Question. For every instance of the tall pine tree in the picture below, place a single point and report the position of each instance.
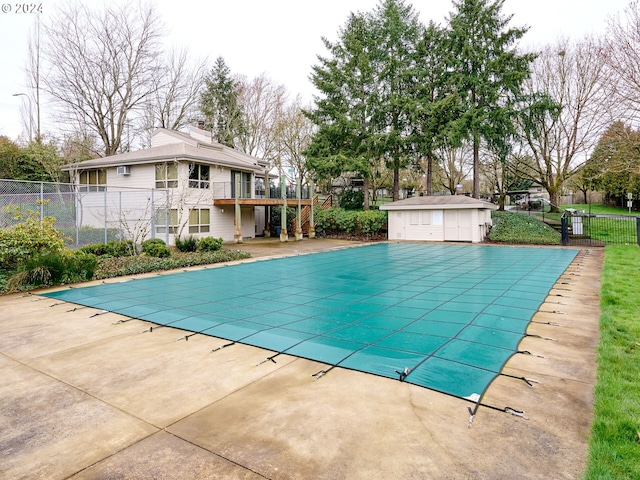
(345, 140)
(488, 74)
(219, 103)
(397, 31)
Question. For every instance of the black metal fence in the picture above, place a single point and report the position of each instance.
(599, 230)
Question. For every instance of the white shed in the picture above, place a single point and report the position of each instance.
(451, 218)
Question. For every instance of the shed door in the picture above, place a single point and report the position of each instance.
(458, 225)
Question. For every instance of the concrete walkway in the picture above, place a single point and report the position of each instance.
(85, 396)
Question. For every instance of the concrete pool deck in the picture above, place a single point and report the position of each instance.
(83, 396)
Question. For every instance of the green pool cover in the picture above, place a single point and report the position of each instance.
(445, 317)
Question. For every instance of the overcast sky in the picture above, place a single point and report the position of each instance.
(279, 37)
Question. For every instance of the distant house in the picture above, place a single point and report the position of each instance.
(197, 187)
(447, 218)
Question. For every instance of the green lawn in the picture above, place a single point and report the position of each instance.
(614, 447)
(600, 209)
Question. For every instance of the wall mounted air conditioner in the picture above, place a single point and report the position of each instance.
(124, 170)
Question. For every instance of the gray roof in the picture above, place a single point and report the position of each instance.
(186, 148)
(440, 202)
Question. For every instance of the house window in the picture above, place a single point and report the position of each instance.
(166, 175)
(245, 184)
(167, 216)
(198, 175)
(93, 180)
(199, 220)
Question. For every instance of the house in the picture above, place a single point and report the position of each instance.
(455, 218)
(186, 184)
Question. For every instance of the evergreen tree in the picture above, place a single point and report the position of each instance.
(345, 140)
(435, 103)
(9, 158)
(488, 73)
(614, 166)
(219, 103)
(397, 32)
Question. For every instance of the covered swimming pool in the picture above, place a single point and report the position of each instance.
(444, 317)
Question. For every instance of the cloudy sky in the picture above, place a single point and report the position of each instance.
(278, 37)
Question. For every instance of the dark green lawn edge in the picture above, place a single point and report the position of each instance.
(614, 446)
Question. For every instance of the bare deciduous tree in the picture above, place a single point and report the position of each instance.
(102, 66)
(456, 165)
(173, 101)
(561, 127)
(623, 57)
(293, 134)
(262, 102)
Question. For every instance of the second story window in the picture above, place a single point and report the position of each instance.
(166, 175)
(198, 175)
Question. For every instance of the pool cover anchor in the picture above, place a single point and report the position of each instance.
(223, 346)
(318, 375)
(527, 380)
(186, 337)
(122, 320)
(272, 357)
(527, 352)
(101, 312)
(540, 336)
(403, 374)
(510, 410)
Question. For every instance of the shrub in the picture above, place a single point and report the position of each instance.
(276, 216)
(352, 200)
(116, 267)
(209, 244)
(189, 244)
(32, 236)
(157, 250)
(337, 221)
(123, 248)
(147, 244)
(54, 269)
(513, 227)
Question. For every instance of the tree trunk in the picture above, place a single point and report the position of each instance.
(476, 166)
(365, 190)
(396, 181)
(429, 174)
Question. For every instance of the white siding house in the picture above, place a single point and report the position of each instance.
(454, 218)
(185, 183)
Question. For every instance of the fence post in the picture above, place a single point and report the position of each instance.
(153, 214)
(564, 222)
(638, 229)
(41, 200)
(105, 216)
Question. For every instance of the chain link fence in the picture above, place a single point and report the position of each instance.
(86, 214)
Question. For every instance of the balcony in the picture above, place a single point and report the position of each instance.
(224, 194)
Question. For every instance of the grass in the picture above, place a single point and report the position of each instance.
(600, 209)
(614, 447)
(510, 227)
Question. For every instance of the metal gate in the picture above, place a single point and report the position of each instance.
(599, 230)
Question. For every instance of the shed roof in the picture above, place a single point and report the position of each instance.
(441, 202)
